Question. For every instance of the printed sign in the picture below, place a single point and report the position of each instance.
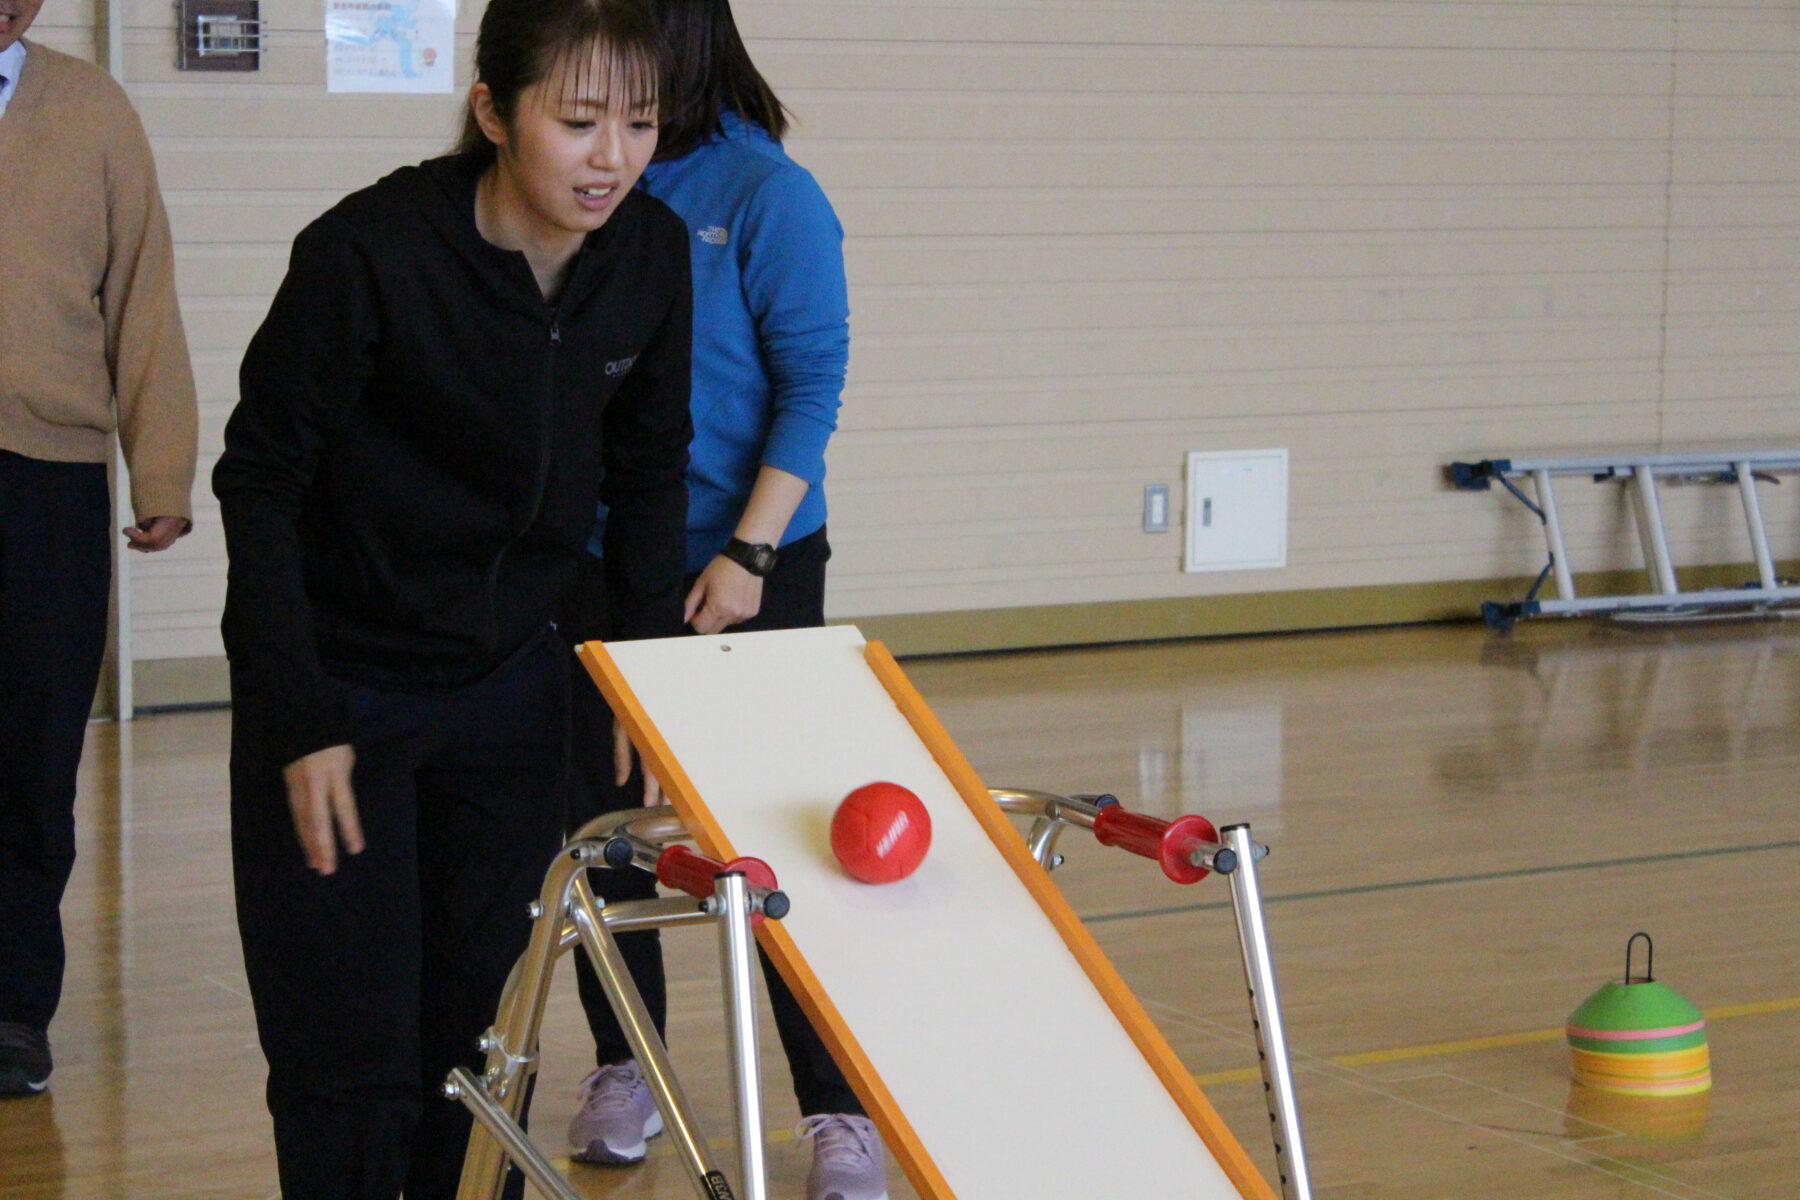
(390, 45)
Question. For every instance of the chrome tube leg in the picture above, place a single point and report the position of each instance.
(498, 1122)
(640, 1034)
(1042, 841)
(511, 1045)
(1265, 1006)
(737, 948)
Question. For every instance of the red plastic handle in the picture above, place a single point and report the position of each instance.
(680, 868)
(1171, 843)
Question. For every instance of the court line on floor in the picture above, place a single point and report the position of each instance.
(1633, 1173)
(1436, 1049)
(1403, 885)
(1627, 1169)
(1497, 1041)
(782, 1134)
(1638, 1175)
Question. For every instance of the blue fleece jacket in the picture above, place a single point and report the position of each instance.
(771, 326)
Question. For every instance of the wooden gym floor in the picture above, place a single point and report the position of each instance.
(1465, 829)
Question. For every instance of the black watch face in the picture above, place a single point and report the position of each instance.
(758, 559)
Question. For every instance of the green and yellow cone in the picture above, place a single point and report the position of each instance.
(1638, 1037)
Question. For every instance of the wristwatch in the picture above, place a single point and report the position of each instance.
(758, 558)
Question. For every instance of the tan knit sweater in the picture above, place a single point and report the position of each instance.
(87, 286)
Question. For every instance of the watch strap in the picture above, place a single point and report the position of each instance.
(758, 558)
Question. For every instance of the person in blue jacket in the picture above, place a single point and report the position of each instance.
(771, 346)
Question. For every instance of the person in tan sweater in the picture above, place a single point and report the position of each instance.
(92, 342)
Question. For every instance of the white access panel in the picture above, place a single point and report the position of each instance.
(1237, 504)
(1006, 1061)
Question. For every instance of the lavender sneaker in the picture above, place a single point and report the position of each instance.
(848, 1161)
(24, 1060)
(617, 1117)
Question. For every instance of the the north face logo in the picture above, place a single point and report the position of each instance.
(715, 235)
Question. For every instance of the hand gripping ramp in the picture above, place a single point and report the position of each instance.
(993, 1045)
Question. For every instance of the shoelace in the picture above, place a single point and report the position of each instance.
(611, 1088)
(843, 1140)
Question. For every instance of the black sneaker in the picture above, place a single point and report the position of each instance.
(24, 1060)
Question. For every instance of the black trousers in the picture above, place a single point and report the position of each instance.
(793, 598)
(371, 983)
(55, 579)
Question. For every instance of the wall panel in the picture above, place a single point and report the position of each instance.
(69, 28)
(1086, 236)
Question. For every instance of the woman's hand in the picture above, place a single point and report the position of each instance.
(622, 756)
(724, 595)
(319, 795)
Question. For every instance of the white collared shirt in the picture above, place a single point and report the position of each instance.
(12, 61)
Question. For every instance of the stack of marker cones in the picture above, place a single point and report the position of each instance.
(1638, 1037)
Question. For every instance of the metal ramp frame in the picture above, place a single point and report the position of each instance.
(968, 1006)
(1638, 472)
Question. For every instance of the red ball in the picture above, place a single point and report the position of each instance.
(880, 833)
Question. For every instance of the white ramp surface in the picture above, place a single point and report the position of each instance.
(997, 1049)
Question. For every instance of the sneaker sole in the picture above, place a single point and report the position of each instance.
(599, 1154)
(14, 1081)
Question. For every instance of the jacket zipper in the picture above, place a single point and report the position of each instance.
(543, 475)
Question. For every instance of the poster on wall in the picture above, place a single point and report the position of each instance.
(390, 45)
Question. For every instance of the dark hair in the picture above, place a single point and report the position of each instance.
(523, 42)
(709, 71)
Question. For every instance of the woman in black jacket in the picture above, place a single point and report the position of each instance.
(456, 356)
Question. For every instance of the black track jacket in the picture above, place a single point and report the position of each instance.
(410, 476)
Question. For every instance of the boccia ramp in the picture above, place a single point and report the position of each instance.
(997, 1050)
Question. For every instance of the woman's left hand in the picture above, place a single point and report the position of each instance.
(723, 596)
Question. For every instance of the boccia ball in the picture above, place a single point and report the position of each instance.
(880, 833)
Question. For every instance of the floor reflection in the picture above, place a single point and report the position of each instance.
(1635, 1128)
(1631, 699)
(41, 1174)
